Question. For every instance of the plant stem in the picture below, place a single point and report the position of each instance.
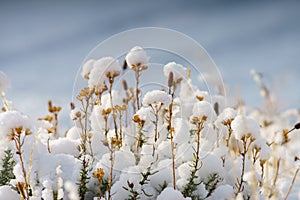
(110, 173)
(240, 184)
(277, 171)
(292, 184)
(137, 76)
(171, 138)
(19, 145)
(113, 109)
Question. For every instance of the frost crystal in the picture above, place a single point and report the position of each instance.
(179, 72)
(136, 57)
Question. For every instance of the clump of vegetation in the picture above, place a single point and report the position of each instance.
(8, 163)
(176, 141)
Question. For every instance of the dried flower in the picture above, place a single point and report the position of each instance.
(200, 98)
(137, 58)
(106, 111)
(115, 142)
(19, 130)
(99, 173)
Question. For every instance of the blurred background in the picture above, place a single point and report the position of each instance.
(43, 43)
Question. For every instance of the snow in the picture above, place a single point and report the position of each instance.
(117, 99)
(222, 192)
(13, 119)
(136, 57)
(220, 144)
(181, 135)
(7, 193)
(179, 72)
(101, 68)
(71, 188)
(122, 161)
(204, 109)
(73, 133)
(47, 193)
(97, 119)
(164, 174)
(242, 126)
(171, 194)
(64, 146)
(227, 114)
(87, 68)
(144, 113)
(156, 97)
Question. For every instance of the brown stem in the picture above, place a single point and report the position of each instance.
(110, 173)
(156, 134)
(48, 145)
(113, 109)
(171, 129)
(120, 121)
(277, 171)
(229, 135)
(139, 141)
(292, 184)
(55, 125)
(137, 76)
(19, 145)
(240, 184)
(99, 187)
(199, 129)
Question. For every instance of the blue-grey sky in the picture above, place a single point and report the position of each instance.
(43, 43)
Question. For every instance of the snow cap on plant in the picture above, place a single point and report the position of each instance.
(245, 126)
(261, 146)
(155, 97)
(143, 115)
(4, 82)
(226, 117)
(171, 194)
(102, 68)
(137, 57)
(203, 110)
(14, 120)
(87, 68)
(179, 72)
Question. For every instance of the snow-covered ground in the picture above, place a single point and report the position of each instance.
(43, 44)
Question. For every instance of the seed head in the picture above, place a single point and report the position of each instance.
(125, 86)
(170, 79)
(297, 126)
(72, 105)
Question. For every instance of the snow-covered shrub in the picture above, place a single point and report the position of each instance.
(179, 142)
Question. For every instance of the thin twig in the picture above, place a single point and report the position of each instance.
(292, 184)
